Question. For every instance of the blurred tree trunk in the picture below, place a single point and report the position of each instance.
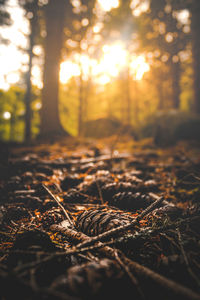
(195, 29)
(28, 114)
(136, 109)
(55, 18)
(175, 76)
(128, 96)
(4, 16)
(81, 102)
(161, 103)
(13, 122)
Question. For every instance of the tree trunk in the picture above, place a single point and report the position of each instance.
(13, 122)
(80, 108)
(195, 29)
(136, 109)
(50, 122)
(161, 103)
(27, 134)
(175, 75)
(128, 98)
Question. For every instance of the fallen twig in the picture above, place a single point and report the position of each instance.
(181, 292)
(57, 199)
(123, 228)
(169, 285)
(131, 276)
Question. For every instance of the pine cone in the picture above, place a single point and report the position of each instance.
(93, 222)
(70, 181)
(74, 196)
(50, 217)
(148, 186)
(110, 189)
(95, 280)
(132, 201)
(93, 187)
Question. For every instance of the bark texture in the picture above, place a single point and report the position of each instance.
(28, 95)
(175, 71)
(55, 17)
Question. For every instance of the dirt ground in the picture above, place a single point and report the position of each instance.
(106, 219)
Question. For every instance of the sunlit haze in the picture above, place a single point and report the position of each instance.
(11, 58)
(138, 67)
(138, 7)
(112, 61)
(107, 5)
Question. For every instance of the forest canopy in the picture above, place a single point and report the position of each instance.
(70, 67)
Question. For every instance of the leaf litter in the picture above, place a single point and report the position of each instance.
(79, 222)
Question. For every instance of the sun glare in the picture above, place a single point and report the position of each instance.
(11, 58)
(36, 76)
(114, 60)
(68, 69)
(107, 5)
(6, 115)
(12, 78)
(138, 7)
(103, 79)
(138, 67)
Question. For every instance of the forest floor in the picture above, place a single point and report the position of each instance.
(106, 219)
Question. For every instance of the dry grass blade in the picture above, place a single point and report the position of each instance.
(57, 199)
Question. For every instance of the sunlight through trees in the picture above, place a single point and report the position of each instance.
(87, 60)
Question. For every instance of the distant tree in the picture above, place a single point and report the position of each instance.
(194, 8)
(55, 14)
(64, 20)
(119, 24)
(4, 16)
(79, 34)
(163, 35)
(31, 8)
(195, 31)
(160, 34)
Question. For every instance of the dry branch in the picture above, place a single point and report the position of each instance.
(173, 288)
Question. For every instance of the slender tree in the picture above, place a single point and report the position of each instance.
(194, 8)
(4, 17)
(164, 35)
(31, 8)
(64, 20)
(195, 30)
(79, 30)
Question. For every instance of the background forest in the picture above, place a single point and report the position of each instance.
(93, 68)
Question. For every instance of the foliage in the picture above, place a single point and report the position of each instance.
(68, 107)
(11, 101)
(168, 127)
